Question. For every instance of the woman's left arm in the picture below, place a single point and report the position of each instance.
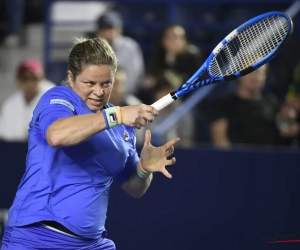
(136, 186)
(153, 159)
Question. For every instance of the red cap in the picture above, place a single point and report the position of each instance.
(31, 65)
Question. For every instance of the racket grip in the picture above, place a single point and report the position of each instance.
(163, 102)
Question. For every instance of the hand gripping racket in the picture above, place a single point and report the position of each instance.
(244, 50)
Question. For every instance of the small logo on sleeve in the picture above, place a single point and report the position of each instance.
(62, 102)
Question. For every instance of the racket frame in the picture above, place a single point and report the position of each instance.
(194, 83)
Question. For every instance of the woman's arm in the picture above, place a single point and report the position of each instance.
(75, 129)
(153, 159)
(136, 186)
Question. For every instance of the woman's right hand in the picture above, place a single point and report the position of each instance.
(138, 115)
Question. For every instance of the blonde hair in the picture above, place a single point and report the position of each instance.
(85, 52)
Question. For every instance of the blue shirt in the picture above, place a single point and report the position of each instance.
(70, 185)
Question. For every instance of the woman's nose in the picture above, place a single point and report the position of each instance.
(98, 90)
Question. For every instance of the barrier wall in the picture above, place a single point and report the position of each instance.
(235, 200)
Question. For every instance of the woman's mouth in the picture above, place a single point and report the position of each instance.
(96, 102)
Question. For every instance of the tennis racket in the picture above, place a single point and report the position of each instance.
(242, 51)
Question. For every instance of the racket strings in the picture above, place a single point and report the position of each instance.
(250, 46)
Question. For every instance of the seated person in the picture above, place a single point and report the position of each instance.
(246, 116)
(172, 52)
(17, 109)
(127, 50)
(119, 96)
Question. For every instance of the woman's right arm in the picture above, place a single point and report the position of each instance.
(75, 129)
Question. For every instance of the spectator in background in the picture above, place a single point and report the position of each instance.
(246, 116)
(127, 50)
(168, 80)
(118, 97)
(281, 70)
(288, 119)
(172, 52)
(17, 109)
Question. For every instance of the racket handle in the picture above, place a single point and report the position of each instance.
(163, 102)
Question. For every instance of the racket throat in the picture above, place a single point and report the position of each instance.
(174, 96)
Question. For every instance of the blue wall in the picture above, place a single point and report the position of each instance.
(216, 200)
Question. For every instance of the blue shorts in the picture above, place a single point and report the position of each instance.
(38, 237)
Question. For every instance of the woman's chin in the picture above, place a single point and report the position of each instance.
(95, 108)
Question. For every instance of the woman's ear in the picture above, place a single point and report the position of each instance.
(70, 79)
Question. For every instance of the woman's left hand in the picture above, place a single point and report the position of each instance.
(154, 159)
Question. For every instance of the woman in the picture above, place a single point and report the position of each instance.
(78, 142)
(173, 52)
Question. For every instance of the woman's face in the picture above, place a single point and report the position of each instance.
(174, 40)
(94, 85)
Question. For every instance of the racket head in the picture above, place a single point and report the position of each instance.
(251, 45)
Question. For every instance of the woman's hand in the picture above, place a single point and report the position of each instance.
(138, 115)
(154, 159)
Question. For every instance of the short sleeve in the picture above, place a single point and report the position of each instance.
(57, 103)
(131, 163)
(220, 109)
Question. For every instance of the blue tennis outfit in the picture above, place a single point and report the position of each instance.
(69, 185)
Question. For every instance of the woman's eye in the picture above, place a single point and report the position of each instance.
(106, 84)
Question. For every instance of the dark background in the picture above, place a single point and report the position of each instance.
(236, 200)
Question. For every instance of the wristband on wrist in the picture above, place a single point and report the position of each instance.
(112, 116)
(143, 174)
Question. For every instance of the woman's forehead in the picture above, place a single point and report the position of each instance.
(97, 71)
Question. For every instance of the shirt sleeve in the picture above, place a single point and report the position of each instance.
(55, 104)
(219, 110)
(131, 163)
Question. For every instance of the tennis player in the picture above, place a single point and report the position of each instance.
(78, 142)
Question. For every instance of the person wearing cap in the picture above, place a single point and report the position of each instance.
(127, 50)
(17, 110)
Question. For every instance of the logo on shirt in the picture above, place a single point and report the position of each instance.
(62, 102)
(126, 136)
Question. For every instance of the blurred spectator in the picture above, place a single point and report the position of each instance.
(281, 70)
(118, 97)
(128, 51)
(288, 119)
(184, 129)
(17, 109)
(245, 117)
(288, 123)
(172, 52)
(15, 14)
(294, 86)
